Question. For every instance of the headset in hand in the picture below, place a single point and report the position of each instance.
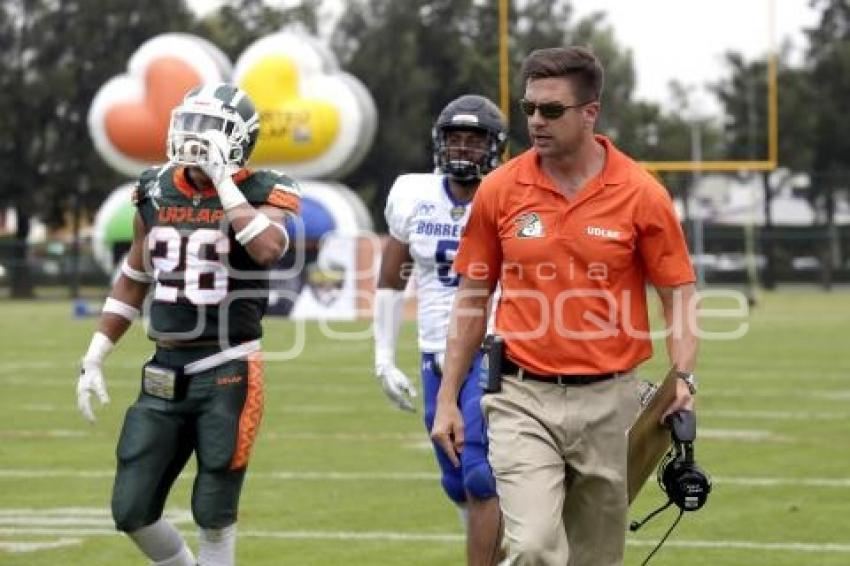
(685, 483)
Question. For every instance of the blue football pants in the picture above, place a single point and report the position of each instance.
(474, 476)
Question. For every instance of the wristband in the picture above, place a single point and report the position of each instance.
(135, 274)
(229, 194)
(120, 308)
(253, 228)
(99, 348)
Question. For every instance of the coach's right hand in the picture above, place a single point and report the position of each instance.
(447, 431)
(397, 386)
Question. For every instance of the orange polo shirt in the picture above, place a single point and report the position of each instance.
(573, 273)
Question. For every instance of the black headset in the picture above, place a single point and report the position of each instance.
(684, 482)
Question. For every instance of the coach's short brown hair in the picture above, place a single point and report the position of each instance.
(578, 64)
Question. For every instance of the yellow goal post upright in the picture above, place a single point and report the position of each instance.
(694, 166)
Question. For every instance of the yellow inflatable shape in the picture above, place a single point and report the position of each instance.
(292, 129)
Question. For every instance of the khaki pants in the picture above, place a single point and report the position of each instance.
(559, 455)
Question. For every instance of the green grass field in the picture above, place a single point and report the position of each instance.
(339, 477)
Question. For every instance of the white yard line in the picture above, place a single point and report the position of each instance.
(85, 516)
(743, 414)
(55, 473)
(750, 545)
(326, 383)
(414, 438)
(741, 435)
(782, 482)
(774, 415)
(767, 482)
(790, 395)
(453, 538)
(20, 547)
(49, 433)
(346, 436)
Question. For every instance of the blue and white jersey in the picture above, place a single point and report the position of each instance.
(422, 212)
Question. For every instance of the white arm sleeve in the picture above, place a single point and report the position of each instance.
(388, 313)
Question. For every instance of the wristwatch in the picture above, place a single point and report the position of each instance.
(690, 379)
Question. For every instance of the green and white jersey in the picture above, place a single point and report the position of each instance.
(206, 286)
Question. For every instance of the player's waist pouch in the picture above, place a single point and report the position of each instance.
(164, 377)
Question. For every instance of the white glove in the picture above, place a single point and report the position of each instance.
(91, 381)
(220, 171)
(91, 375)
(215, 165)
(397, 387)
(387, 322)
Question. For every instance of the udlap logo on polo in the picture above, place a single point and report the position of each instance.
(530, 226)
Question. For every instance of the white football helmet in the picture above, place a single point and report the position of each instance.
(221, 107)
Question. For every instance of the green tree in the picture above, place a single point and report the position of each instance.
(59, 55)
(238, 23)
(829, 61)
(417, 55)
(743, 94)
(413, 57)
(54, 56)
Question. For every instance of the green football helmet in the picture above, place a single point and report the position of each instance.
(221, 107)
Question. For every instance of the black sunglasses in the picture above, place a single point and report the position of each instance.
(549, 110)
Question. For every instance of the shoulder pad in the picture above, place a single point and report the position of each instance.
(405, 195)
(146, 186)
(413, 187)
(265, 186)
(269, 178)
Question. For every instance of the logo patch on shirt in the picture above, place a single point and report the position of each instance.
(602, 233)
(530, 226)
(424, 210)
(457, 212)
(154, 192)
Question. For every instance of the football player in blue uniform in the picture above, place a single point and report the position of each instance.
(425, 214)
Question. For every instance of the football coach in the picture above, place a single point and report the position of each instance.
(572, 230)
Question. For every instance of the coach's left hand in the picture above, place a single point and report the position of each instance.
(682, 400)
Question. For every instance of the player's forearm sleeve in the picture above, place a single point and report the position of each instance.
(388, 313)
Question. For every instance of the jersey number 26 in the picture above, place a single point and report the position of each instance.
(189, 262)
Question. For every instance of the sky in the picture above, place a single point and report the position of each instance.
(695, 35)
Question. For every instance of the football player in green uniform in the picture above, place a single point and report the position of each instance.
(206, 232)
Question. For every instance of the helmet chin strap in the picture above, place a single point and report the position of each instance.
(463, 171)
(466, 181)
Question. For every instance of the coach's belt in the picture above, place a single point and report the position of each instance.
(510, 368)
